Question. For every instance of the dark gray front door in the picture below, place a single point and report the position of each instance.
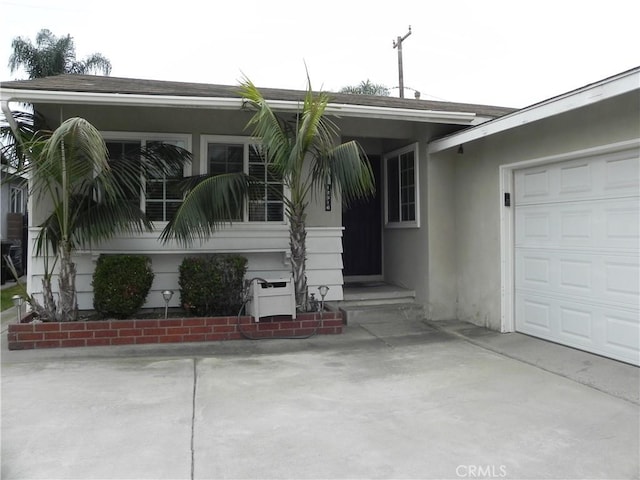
(362, 236)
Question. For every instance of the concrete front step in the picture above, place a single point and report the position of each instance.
(375, 292)
(364, 314)
(366, 302)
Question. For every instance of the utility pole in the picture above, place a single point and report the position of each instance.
(398, 44)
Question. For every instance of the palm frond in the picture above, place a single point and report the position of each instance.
(273, 130)
(211, 203)
(348, 169)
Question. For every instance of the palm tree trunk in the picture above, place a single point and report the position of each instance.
(68, 304)
(48, 311)
(298, 245)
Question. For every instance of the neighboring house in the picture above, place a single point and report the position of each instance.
(13, 208)
(438, 224)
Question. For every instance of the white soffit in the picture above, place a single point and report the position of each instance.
(605, 89)
(137, 100)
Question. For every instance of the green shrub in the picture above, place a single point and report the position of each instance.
(212, 285)
(121, 284)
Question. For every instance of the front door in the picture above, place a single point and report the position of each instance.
(362, 236)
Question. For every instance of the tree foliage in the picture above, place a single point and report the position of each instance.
(87, 195)
(53, 55)
(366, 87)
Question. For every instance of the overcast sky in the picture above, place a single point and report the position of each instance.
(498, 52)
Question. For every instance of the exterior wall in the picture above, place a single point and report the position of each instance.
(406, 260)
(473, 240)
(267, 251)
(265, 245)
(441, 226)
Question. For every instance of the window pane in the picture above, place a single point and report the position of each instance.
(411, 214)
(171, 208)
(275, 212)
(155, 211)
(174, 191)
(393, 186)
(118, 150)
(264, 198)
(257, 170)
(257, 212)
(274, 193)
(155, 190)
(225, 158)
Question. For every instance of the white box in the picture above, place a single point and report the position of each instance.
(273, 297)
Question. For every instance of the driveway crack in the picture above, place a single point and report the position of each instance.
(387, 344)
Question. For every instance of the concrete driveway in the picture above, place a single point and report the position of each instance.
(403, 400)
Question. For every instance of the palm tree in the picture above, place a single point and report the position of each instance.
(69, 170)
(367, 88)
(53, 56)
(289, 144)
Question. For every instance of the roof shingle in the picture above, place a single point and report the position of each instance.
(124, 86)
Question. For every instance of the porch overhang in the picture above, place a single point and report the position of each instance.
(225, 103)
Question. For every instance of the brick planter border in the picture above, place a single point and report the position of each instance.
(24, 336)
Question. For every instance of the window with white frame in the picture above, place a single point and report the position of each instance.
(226, 154)
(160, 196)
(401, 185)
(16, 199)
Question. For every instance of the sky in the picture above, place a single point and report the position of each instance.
(510, 53)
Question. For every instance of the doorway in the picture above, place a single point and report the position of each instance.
(362, 236)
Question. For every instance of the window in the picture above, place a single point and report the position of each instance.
(16, 200)
(242, 154)
(161, 197)
(401, 182)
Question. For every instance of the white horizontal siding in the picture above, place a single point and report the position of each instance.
(266, 248)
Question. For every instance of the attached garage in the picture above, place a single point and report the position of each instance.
(576, 246)
(534, 220)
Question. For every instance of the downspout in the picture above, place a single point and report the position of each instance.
(12, 121)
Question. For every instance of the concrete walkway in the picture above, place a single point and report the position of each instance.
(411, 399)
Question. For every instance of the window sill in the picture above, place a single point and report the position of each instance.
(396, 226)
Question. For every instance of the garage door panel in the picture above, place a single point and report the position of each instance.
(577, 323)
(610, 224)
(577, 249)
(605, 330)
(622, 173)
(622, 333)
(622, 226)
(534, 314)
(608, 176)
(607, 279)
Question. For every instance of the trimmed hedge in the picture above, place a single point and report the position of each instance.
(121, 284)
(212, 285)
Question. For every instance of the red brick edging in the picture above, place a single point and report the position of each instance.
(25, 336)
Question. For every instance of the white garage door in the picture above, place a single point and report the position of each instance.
(577, 243)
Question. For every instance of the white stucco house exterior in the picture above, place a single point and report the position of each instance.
(517, 220)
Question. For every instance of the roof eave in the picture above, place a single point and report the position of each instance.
(230, 103)
(608, 88)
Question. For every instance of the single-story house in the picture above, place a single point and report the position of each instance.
(518, 220)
